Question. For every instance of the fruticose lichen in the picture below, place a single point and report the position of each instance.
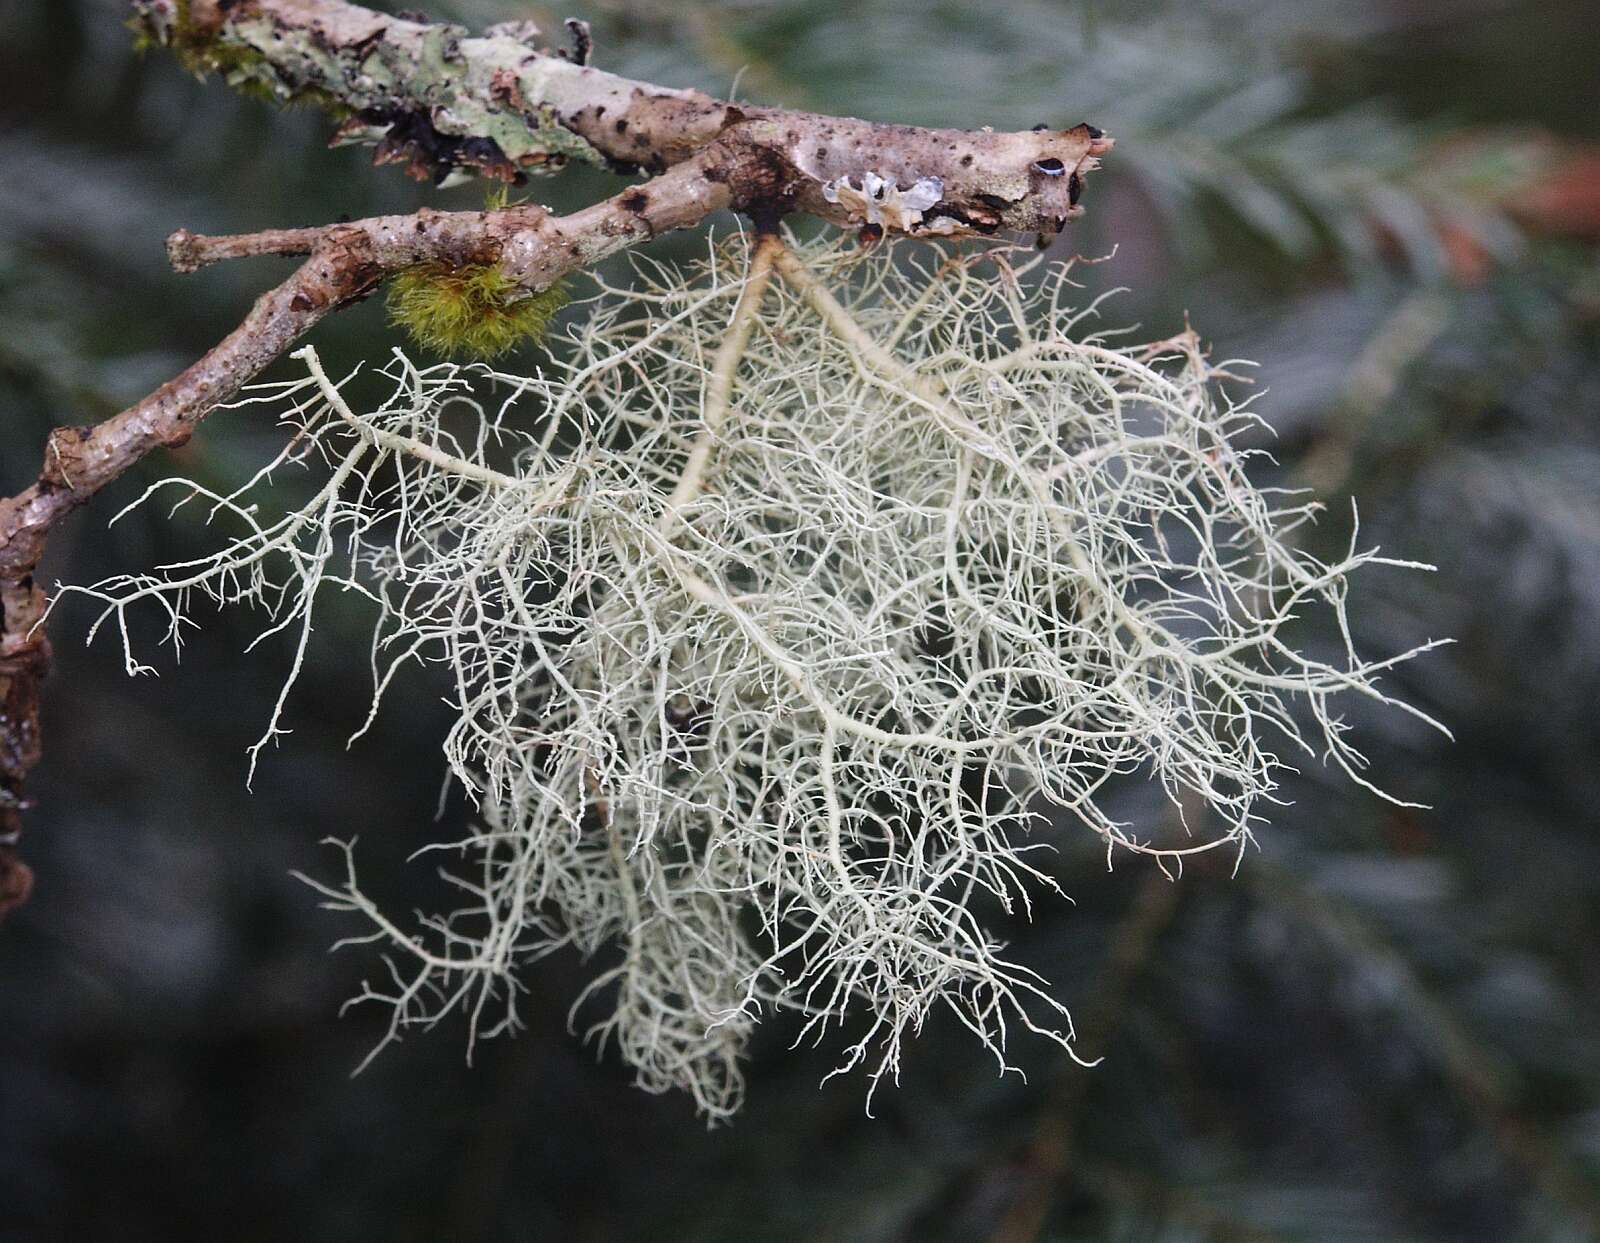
(792, 608)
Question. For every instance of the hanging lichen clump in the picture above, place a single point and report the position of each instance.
(782, 610)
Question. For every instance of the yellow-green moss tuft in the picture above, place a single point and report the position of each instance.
(475, 309)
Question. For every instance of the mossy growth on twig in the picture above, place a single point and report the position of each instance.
(472, 309)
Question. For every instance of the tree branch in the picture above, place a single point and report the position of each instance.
(439, 100)
(443, 101)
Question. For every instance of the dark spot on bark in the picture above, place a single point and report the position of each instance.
(766, 217)
(1040, 127)
(1094, 131)
(1074, 189)
(966, 160)
(485, 153)
(301, 303)
(414, 15)
(362, 283)
(979, 224)
(870, 233)
(635, 200)
(622, 125)
(764, 185)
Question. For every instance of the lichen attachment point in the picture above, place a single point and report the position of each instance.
(471, 310)
(786, 609)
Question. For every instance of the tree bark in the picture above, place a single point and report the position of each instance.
(437, 99)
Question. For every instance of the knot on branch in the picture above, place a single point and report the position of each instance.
(64, 466)
(762, 181)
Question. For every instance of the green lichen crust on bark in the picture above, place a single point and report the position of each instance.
(425, 93)
(439, 98)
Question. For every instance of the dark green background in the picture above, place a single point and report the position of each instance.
(1382, 1028)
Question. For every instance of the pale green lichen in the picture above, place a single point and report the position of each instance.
(489, 88)
(422, 72)
(786, 619)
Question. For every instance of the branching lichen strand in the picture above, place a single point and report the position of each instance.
(780, 618)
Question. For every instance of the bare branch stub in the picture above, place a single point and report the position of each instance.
(516, 108)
